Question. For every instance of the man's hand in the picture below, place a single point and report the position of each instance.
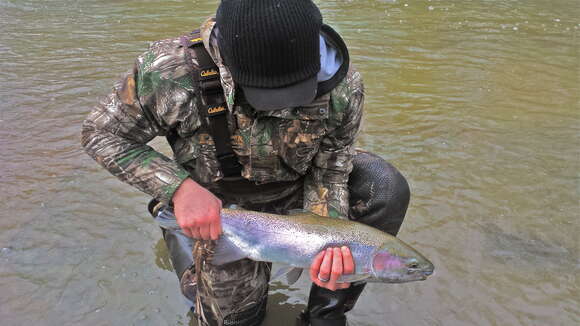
(329, 265)
(197, 211)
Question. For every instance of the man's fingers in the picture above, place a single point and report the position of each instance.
(347, 264)
(347, 260)
(187, 232)
(326, 266)
(315, 267)
(204, 232)
(215, 222)
(195, 233)
(329, 265)
(336, 269)
(214, 230)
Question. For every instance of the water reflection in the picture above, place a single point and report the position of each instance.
(162, 256)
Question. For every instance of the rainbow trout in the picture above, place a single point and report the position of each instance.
(296, 239)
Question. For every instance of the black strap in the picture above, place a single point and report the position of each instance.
(213, 105)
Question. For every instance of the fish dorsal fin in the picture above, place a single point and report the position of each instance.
(298, 211)
(292, 274)
(225, 252)
(302, 211)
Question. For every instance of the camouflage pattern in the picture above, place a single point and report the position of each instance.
(152, 99)
(157, 98)
(233, 294)
(309, 150)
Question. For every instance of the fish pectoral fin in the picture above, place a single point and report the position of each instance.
(292, 274)
(349, 278)
(225, 252)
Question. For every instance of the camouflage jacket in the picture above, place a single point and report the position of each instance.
(158, 97)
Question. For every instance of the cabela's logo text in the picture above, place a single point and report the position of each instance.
(215, 109)
(208, 72)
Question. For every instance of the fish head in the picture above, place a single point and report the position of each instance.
(400, 264)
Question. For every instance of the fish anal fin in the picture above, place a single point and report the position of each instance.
(292, 274)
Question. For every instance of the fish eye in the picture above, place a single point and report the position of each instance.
(413, 265)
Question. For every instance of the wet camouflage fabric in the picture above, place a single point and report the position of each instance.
(157, 98)
(233, 294)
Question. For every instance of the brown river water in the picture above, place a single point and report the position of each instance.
(476, 102)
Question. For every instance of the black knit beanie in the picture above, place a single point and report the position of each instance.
(269, 43)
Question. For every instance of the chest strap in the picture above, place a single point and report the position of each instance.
(212, 104)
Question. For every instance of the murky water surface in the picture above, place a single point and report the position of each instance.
(477, 102)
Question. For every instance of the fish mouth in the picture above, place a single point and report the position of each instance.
(420, 275)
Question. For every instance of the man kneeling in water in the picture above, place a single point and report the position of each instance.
(261, 107)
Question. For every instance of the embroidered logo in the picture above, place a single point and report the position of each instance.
(208, 72)
(215, 109)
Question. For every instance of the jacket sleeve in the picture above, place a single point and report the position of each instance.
(325, 188)
(149, 101)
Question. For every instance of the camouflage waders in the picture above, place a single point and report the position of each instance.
(236, 293)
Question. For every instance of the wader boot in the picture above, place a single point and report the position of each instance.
(328, 308)
(379, 197)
